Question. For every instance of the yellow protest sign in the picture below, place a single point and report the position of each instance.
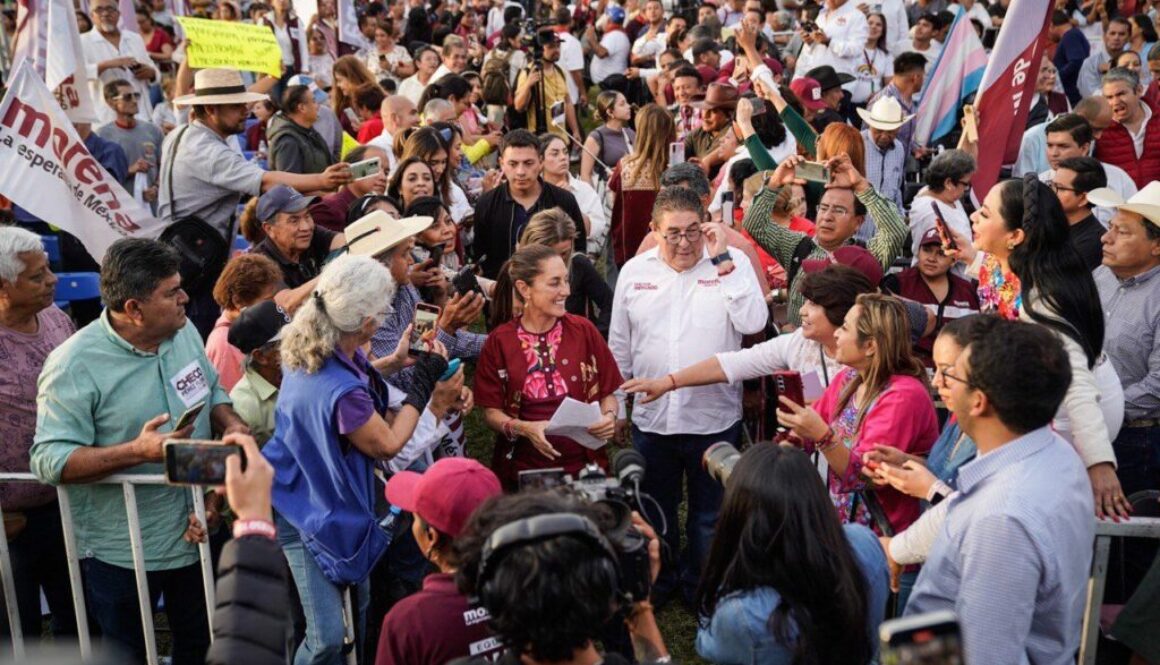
(231, 45)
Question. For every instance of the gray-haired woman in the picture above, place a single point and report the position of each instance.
(948, 179)
(330, 428)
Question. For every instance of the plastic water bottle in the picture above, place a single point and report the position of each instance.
(390, 522)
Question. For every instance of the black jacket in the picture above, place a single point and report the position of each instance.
(250, 622)
(296, 149)
(496, 230)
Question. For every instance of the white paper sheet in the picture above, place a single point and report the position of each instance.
(572, 420)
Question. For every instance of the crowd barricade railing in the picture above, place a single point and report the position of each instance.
(1137, 527)
(128, 483)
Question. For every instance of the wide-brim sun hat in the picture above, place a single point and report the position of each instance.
(376, 232)
(215, 87)
(885, 115)
(1145, 202)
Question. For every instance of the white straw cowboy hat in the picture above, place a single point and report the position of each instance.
(1145, 202)
(376, 232)
(886, 114)
(218, 86)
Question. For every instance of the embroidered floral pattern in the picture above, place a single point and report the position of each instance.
(999, 291)
(544, 379)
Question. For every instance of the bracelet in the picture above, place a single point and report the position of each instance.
(509, 430)
(255, 528)
(826, 442)
(672, 379)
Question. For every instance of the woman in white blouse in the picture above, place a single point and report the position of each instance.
(388, 59)
(554, 152)
(829, 294)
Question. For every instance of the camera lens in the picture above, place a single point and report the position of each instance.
(719, 460)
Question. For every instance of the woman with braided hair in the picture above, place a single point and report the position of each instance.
(335, 418)
(1028, 269)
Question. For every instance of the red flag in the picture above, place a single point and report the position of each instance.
(1007, 89)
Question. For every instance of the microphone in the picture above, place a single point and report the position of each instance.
(628, 465)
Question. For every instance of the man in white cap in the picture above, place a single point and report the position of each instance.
(202, 177)
(885, 154)
(1129, 286)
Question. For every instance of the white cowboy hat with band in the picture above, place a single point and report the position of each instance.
(215, 87)
(377, 232)
(1145, 202)
(886, 114)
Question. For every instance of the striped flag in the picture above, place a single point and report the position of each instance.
(47, 36)
(955, 76)
(1008, 86)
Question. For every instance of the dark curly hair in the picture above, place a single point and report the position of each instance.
(547, 598)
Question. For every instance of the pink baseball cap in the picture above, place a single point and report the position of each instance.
(446, 494)
(809, 92)
(853, 256)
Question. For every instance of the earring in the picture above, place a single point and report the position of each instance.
(1010, 245)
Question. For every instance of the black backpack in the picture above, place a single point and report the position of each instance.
(203, 250)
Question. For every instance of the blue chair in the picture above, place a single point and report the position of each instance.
(75, 286)
(52, 248)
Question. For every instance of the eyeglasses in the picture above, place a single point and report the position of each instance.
(1056, 187)
(946, 374)
(129, 96)
(692, 234)
(960, 183)
(838, 211)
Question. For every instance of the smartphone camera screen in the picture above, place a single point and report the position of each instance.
(190, 462)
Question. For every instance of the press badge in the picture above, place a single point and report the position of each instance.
(191, 384)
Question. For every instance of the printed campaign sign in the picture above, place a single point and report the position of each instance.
(191, 384)
(48, 38)
(46, 169)
(231, 45)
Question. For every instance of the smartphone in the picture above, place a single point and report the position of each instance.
(423, 328)
(193, 462)
(466, 282)
(757, 104)
(540, 479)
(189, 416)
(452, 368)
(435, 253)
(366, 168)
(809, 26)
(944, 231)
(788, 383)
(814, 172)
(727, 208)
(676, 153)
(922, 639)
(351, 116)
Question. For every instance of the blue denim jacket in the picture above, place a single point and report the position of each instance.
(738, 633)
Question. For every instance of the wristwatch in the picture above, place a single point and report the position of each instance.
(721, 258)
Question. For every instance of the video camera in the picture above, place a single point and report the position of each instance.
(530, 37)
(618, 497)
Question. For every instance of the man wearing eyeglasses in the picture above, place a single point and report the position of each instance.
(686, 299)
(140, 139)
(1074, 178)
(112, 54)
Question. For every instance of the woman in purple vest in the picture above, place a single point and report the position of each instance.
(330, 427)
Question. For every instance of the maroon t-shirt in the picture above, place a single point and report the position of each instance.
(434, 626)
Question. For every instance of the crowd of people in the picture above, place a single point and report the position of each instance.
(396, 274)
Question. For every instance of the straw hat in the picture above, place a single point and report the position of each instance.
(1145, 202)
(885, 115)
(377, 232)
(216, 87)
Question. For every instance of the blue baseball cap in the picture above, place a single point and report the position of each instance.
(308, 81)
(281, 198)
(615, 13)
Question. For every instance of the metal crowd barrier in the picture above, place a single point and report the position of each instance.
(1137, 527)
(128, 483)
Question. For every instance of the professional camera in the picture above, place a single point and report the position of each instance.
(619, 496)
(530, 38)
(719, 460)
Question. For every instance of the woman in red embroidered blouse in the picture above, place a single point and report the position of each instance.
(532, 362)
(883, 398)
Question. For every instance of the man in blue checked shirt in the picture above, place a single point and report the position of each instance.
(1013, 556)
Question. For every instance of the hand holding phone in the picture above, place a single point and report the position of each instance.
(423, 328)
(189, 416)
(944, 231)
(195, 462)
(814, 172)
(788, 384)
(676, 153)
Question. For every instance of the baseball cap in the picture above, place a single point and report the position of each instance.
(931, 237)
(308, 81)
(257, 326)
(281, 198)
(809, 92)
(446, 494)
(853, 256)
(615, 13)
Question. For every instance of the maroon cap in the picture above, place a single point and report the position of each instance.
(809, 92)
(931, 237)
(446, 494)
(851, 255)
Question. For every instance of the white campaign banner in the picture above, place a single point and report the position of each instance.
(48, 37)
(46, 169)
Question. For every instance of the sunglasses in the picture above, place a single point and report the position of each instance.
(129, 96)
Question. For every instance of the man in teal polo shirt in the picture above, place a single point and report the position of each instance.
(105, 403)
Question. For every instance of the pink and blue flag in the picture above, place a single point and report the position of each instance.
(955, 76)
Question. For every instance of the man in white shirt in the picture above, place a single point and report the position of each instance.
(571, 58)
(426, 64)
(610, 54)
(686, 299)
(838, 41)
(454, 57)
(1069, 135)
(1097, 64)
(111, 54)
(399, 113)
(922, 42)
(652, 41)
